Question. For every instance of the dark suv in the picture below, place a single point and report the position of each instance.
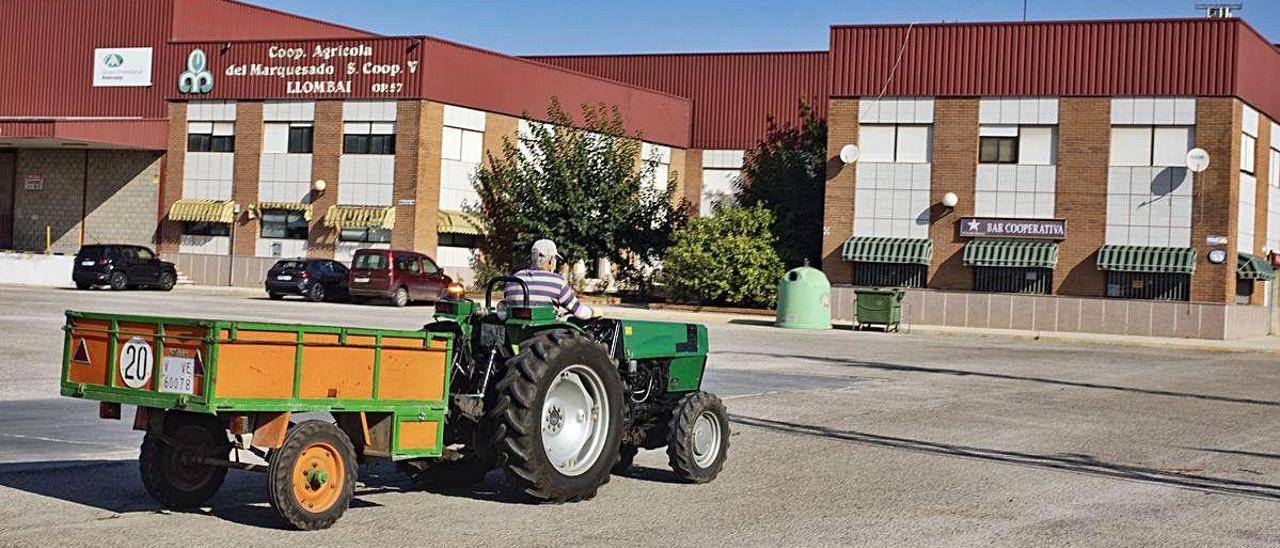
(399, 276)
(122, 266)
(315, 279)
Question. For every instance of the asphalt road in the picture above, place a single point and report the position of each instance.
(839, 438)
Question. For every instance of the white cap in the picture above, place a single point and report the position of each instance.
(543, 250)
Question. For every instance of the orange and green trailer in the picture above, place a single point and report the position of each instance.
(558, 405)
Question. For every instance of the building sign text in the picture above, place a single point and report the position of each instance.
(1048, 229)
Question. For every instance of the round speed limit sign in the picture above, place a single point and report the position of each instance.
(136, 362)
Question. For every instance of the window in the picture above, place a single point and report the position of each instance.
(144, 254)
(206, 229)
(287, 137)
(369, 138)
(459, 240)
(999, 279)
(998, 150)
(1144, 146)
(1273, 174)
(211, 137)
(888, 274)
(894, 143)
(283, 223)
(365, 235)
(1248, 153)
(370, 261)
(409, 264)
(1148, 285)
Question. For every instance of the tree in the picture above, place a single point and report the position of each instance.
(786, 174)
(579, 186)
(727, 258)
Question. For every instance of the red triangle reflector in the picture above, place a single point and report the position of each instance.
(199, 366)
(81, 354)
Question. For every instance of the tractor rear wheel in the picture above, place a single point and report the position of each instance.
(698, 439)
(311, 477)
(561, 417)
(167, 460)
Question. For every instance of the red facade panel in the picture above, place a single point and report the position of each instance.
(470, 77)
(734, 94)
(47, 60)
(1258, 78)
(205, 20)
(1082, 58)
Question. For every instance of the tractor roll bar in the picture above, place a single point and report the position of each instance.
(488, 291)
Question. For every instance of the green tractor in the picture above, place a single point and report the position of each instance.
(559, 405)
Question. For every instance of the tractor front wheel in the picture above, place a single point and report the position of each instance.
(561, 413)
(698, 439)
(311, 477)
(168, 458)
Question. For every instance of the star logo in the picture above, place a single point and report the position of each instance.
(973, 225)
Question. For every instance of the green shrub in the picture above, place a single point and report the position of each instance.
(727, 258)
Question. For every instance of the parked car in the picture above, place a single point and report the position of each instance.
(316, 279)
(400, 276)
(121, 267)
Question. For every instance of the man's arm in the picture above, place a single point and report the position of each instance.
(571, 303)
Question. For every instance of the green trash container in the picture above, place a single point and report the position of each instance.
(879, 307)
(804, 300)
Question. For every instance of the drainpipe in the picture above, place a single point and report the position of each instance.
(84, 197)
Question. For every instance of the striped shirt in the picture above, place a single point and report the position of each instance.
(545, 288)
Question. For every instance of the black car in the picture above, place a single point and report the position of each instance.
(315, 279)
(122, 266)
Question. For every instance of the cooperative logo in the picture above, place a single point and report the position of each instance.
(113, 60)
(197, 78)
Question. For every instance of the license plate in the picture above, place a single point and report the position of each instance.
(86, 263)
(179, 375)
(284, 277)
(362, 280)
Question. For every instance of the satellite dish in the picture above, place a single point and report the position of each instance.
(850, 153)
(1197, 160)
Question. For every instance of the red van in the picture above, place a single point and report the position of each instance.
(400, 276)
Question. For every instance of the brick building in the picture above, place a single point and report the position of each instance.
(1027, 175)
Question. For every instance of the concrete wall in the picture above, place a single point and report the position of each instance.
(1069, 314)
(118, 205)
(215, 269)
(34, 269)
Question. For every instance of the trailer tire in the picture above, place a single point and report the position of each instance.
(530, 419)
(166, 474)
(698, 439)
(311, 477)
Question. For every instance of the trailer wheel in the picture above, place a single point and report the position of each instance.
(166, 461)
(698, 437)
(311, 477)
(561, 409)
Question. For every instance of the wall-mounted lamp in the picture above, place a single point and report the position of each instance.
(950, 200)
(849, 154)
(319, 185)
(226, 46)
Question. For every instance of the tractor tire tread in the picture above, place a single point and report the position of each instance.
(680, 437)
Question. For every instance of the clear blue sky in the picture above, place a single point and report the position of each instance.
(617, 26)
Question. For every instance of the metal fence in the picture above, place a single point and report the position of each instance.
(1004, 279)
(1159, 286)
(889, 274)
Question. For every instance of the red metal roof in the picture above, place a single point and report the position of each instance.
(466, 76)
(207, 20)
(47, 57)
(1199, 57)
(733, 94)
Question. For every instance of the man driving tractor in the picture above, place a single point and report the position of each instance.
(545, 286)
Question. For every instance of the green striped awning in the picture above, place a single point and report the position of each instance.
(872, 249)
(1253, 267)
(1011, 253)
(1135, 258)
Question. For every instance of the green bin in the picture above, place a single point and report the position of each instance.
(879, 307)
(804, 300)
